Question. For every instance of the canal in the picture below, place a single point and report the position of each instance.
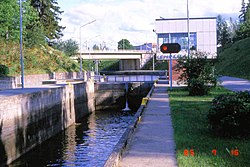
(87, 143)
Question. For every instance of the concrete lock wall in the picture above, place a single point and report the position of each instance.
(112, 95)
(26, 120)
(7, 83)
(33, 80)
(109, 95)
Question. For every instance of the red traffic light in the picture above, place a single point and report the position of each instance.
(170, 48)
(164, 48)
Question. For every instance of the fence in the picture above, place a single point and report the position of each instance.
(125, 78)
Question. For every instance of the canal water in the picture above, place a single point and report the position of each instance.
(88, 143)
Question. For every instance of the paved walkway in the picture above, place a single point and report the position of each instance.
(235, 84)
(153, 141)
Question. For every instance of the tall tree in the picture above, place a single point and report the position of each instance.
(69, 47)
(33, 29)
(233, 27)
(244, 28)
(247, 15)
(242, 16)
(9, 19)
(49, 13)
(222, 31)
(125, 44)
(96, 47)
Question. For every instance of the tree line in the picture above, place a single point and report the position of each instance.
(234, 30)
(40, 21)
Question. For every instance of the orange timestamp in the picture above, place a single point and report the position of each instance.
(191, 152)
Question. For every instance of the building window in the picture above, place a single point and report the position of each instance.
(181, 38)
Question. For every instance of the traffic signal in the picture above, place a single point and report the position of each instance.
(170, 48)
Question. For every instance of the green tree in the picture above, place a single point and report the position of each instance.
(247, 15)
(33, 29)
(9, 19)
(242, 16)
(233, 27)
(96, 47)
(125, 44)
(69, 47)
(49, 14)
(10, 22)
(244, 27)
(222, 31)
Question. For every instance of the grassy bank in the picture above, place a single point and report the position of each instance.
(234, 60)
(39, 59)
(189, 116)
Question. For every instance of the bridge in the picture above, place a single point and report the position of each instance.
(129, 59)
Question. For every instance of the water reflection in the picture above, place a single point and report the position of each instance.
(88, 143)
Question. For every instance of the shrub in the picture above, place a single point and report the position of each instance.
(229, 115)
(4, 70)
(197, 87)
(198, 73)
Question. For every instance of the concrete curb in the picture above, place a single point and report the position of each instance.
(115, 156)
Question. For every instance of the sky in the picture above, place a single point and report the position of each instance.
(132, 19)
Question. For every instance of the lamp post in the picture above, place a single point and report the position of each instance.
(88, 49)
(188, 30)
(21, 44)
(156, 51)
(81, 45)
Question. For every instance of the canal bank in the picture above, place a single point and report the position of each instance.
(148, 140)
(30, 116)
(120, 148)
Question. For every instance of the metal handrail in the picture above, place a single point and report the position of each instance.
(124, 78)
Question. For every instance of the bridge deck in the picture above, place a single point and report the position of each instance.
(121, 54)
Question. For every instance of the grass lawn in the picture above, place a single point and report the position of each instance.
(194, 141)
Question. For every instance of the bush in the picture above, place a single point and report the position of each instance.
(197, 87)
(4, 70)
(229, 115)
(198, 73)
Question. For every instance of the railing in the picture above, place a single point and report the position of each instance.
(117, 51)
(125, 78)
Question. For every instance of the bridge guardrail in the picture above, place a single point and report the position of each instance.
(124, 78)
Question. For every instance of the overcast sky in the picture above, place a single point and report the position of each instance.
(133, 19)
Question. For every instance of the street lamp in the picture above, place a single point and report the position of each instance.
(81, 45)
(156, 48)
(21, 44)
(88, 49)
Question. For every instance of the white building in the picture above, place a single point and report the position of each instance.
(203, 35)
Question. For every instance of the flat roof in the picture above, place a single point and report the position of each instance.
(193, 18)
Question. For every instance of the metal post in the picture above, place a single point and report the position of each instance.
(96, 67)
(170, 72)
(81, 45)
(80, 54)
(153, 61)
(21, 44)
(188, 30)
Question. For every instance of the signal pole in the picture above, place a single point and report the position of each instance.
(188, 30)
